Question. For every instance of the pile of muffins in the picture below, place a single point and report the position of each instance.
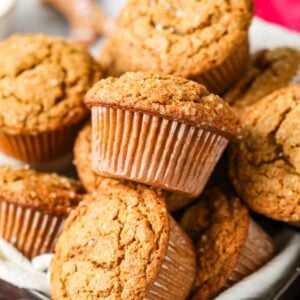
(184, 86)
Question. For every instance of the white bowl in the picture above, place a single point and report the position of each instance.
(6, 12)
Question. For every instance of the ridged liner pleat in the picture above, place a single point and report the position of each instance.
(258, 249)
(42, 147)
(218, 79)
(153, 150)
(32, 232)
(177, 273)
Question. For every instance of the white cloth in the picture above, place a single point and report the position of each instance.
(19, 271)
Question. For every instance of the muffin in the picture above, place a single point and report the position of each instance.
(205, 41)
(33, 208)
(269, 70)
(120, 243)
(230, 245)
(42, 84)
(265, 167)
(91, 181)
(159, 130)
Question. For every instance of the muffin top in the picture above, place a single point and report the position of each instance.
(42, 83)
(219, 224)
(46, 192)
(112, 246)
(268, 71)
(265, 167)
(182, 37)
(168, 96)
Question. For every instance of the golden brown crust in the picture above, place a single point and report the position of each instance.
(268, 71)
(91, 181)
(47, 192)
(169, 96)
(218, 223)
(42, 83)
(112, 246)
(184, 38)
(265, 167)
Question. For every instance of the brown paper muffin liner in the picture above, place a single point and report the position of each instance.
(258, 249)
(152, 150)
(178, 271)
(32, 232)
(41, 147)
(218, 79)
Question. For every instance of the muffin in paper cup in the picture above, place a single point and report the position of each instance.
(205, 41)
(160, 130)
(230, 245)
(122, 243)
(33, 208)
(92, 181)
(42, 84)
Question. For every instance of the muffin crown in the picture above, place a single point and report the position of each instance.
(112, 246)
(168, 96)
(219, 225)
(265, 167)
(42, 83)
(268, 71)
(184, 37)
(48, 192)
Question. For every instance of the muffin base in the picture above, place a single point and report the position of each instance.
(152, 150)
(32, 232)
(39, 148)
(178, 271)
(258, 249)
(218, 79)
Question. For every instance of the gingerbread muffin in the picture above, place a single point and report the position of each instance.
(42, 84)
(160, 130)
(265, 167)
(33, 208)
(230, 245)
(206, 41)
(268, 71)
(92, 181)
(120, 243)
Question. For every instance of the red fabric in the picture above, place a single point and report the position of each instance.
(283, 12)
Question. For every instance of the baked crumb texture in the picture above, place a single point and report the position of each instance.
(114, 245)
(265, 167)
(199, 40)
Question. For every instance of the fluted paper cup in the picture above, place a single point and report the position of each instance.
(31, 231)
(41, 147)
(178, 271)
(258, 249)
(219, 78)
(153, 150)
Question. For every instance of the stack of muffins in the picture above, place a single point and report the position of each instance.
(156, 132)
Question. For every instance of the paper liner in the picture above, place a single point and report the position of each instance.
(32, 232)
(41, 147)
(152, 150)
(258, 249)
(218, 79)
(178, 270)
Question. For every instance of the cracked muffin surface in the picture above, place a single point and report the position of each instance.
(112, 246)
(269, 70)
(182, 37)
(47, 192)
(265, 167)
(218, 225)
(169, 96)
(42, 83)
